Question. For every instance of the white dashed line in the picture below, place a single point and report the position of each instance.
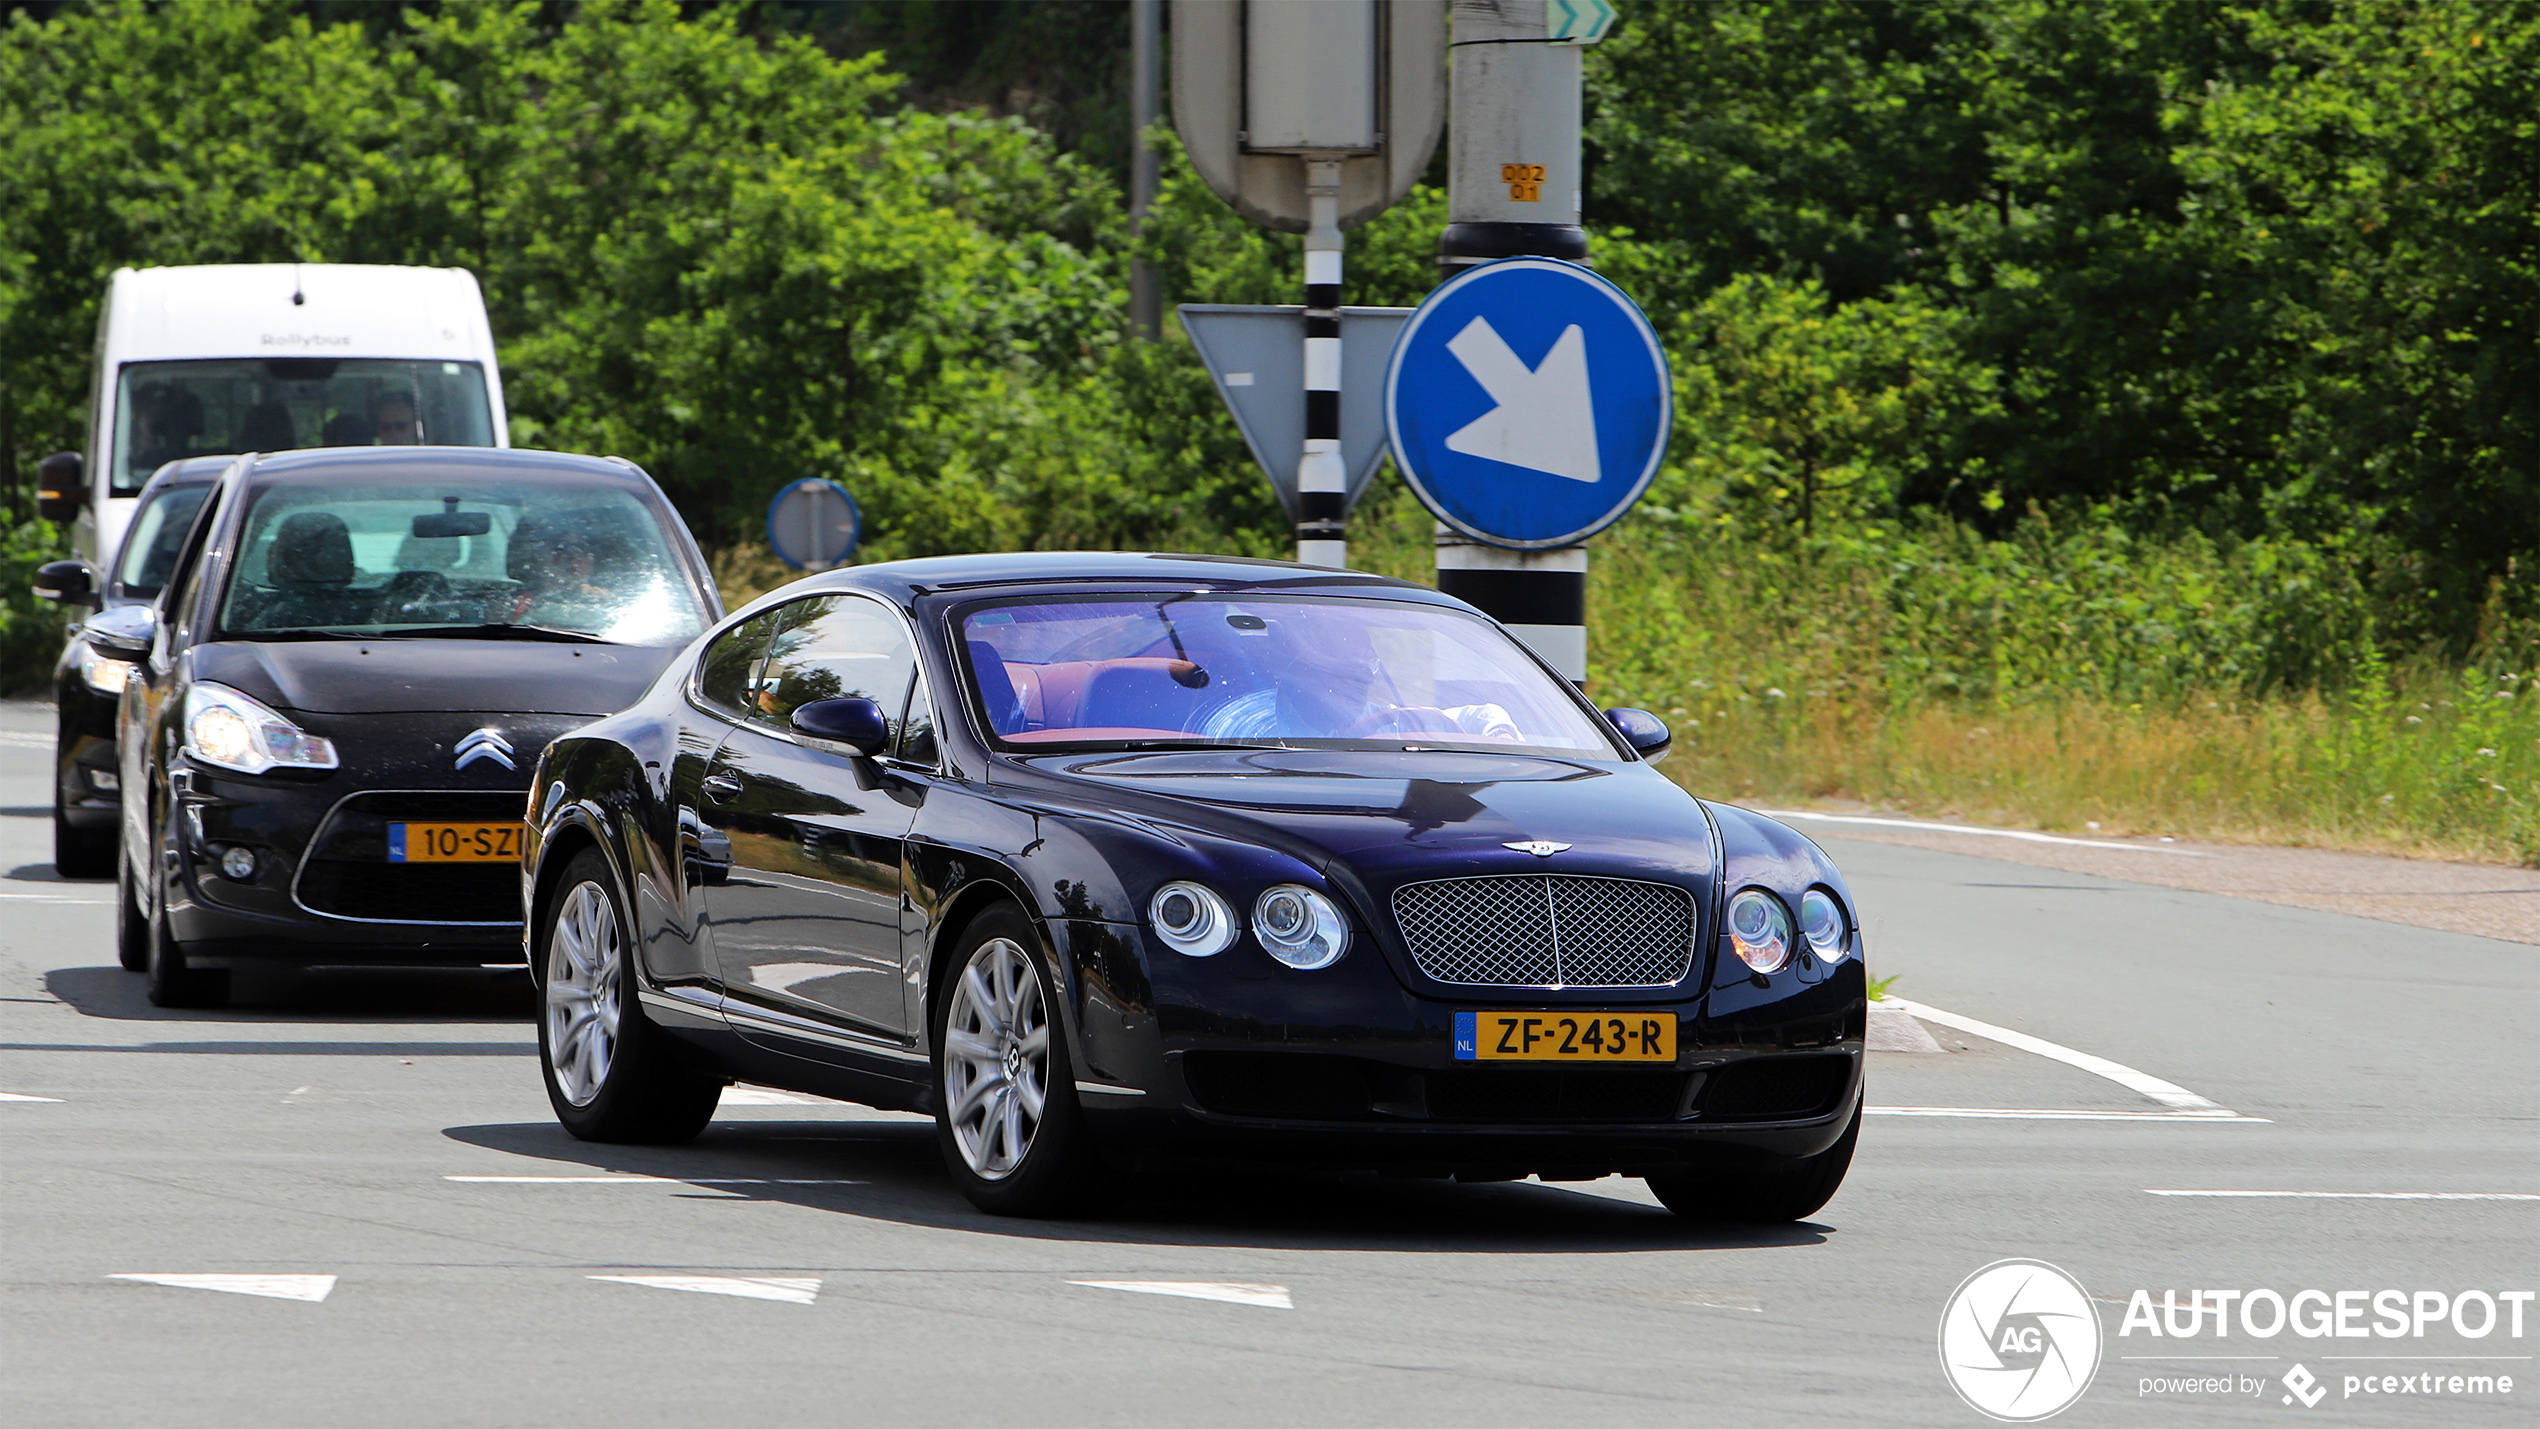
(652, 1181)
(791, 1290)
(1988, 1113)
(1267, 1297)
(23, 1097)
(272, 1287)
(2021, 834)
(2360, 1195)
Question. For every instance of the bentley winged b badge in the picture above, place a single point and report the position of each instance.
(1540, 848)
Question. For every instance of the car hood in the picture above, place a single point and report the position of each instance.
(1398, 817)
(423, 676)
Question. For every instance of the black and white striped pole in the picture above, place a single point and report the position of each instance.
(1322, 479)
(1513, 186)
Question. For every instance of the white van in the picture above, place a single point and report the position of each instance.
(271, 357)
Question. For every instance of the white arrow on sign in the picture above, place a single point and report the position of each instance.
(1544, 420)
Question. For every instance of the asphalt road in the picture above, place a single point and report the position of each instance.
(314, 1132)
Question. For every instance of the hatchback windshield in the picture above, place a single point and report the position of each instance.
(1311, 672)
(165, 411)
(158, 533)
(480, 556)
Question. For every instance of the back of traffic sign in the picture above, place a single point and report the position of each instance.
(814, 525)
(1528, 403)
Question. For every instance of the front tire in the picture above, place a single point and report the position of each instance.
(1761, 1197)
(172, 982)
(1005, 1090)
(77, 852)
(132, 930)
(611, 1074)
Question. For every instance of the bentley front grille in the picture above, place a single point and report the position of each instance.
(1547, 930)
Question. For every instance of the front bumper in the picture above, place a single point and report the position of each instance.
(1239, 1058)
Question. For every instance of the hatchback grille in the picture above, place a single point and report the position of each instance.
(347, 873)
(1547, 930)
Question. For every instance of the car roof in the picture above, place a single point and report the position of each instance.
(1017, 569)
(189, 471)
(437, 464)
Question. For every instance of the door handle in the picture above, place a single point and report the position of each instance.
(722, 786)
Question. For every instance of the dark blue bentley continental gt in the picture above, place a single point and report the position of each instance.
(1118, 860)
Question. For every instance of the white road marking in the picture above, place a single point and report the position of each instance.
(23, 1097)
(2362, 1195)
(1268, 1297)
(791, 1290)
(272, 1287)
(24, 739)
(769, 1096)
(2168, 1094)
(2022, 835)
(56, 898)
(1991, 1113)
(1717, 1300)
(652, 1181)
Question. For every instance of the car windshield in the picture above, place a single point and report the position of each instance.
(481, 555)
(166, 411)
(158, 532)
(1314, 672)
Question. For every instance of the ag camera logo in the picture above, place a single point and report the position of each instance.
(2019, 1341)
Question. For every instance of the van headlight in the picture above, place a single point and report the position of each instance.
(1300, 927)
(231, 731)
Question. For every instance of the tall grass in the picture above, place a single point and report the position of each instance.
(2057, 679)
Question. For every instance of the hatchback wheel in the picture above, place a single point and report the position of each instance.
(132, 928)
(1005, 1094)
(1757, 1197)
(172, 982)
(611, 1074)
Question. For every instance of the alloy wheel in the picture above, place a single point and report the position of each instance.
(996, 1058)
(585, 992)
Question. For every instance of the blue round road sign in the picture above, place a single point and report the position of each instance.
(1528, 401)
(813, 525)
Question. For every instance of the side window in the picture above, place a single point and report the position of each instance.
(917, 730)
(830, 647)
(183, 594)
(726, 675)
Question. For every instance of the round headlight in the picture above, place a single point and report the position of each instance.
(1821, 918)
(1191, 919)
(1759, 928)
(1300, 927)
(223, 736)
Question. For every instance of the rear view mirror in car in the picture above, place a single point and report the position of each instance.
(450, 521)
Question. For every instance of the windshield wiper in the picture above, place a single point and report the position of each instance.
(491, 630)
(1188, 744)
(303, 633)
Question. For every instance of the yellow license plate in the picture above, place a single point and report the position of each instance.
(454, 843)
(1565, 1037)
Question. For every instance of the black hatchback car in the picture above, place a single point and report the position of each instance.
(360, 653)
(87, 685)
(1137, 859)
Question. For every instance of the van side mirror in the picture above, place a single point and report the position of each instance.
(61, 487)
(855, 722)
(1646, 733)
(123, 633)
(69, 582)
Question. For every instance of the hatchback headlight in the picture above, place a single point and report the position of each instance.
(1300, 927)
(1759, 928)
(99, 673)
(1191, 919)
(227, 729)
(1821, 920)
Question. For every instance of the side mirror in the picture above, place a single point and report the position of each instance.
(61, 487)
(1646, 733)
(69, 582)
(123, 633)
(855, 722)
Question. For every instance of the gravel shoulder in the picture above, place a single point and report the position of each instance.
(2483, 900)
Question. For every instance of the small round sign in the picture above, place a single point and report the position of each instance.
(1529, 403)
(814, 525)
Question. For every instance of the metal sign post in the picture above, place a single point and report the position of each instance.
(1311, 116)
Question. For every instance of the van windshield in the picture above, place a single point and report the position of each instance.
(480, 557)
(166, 411)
